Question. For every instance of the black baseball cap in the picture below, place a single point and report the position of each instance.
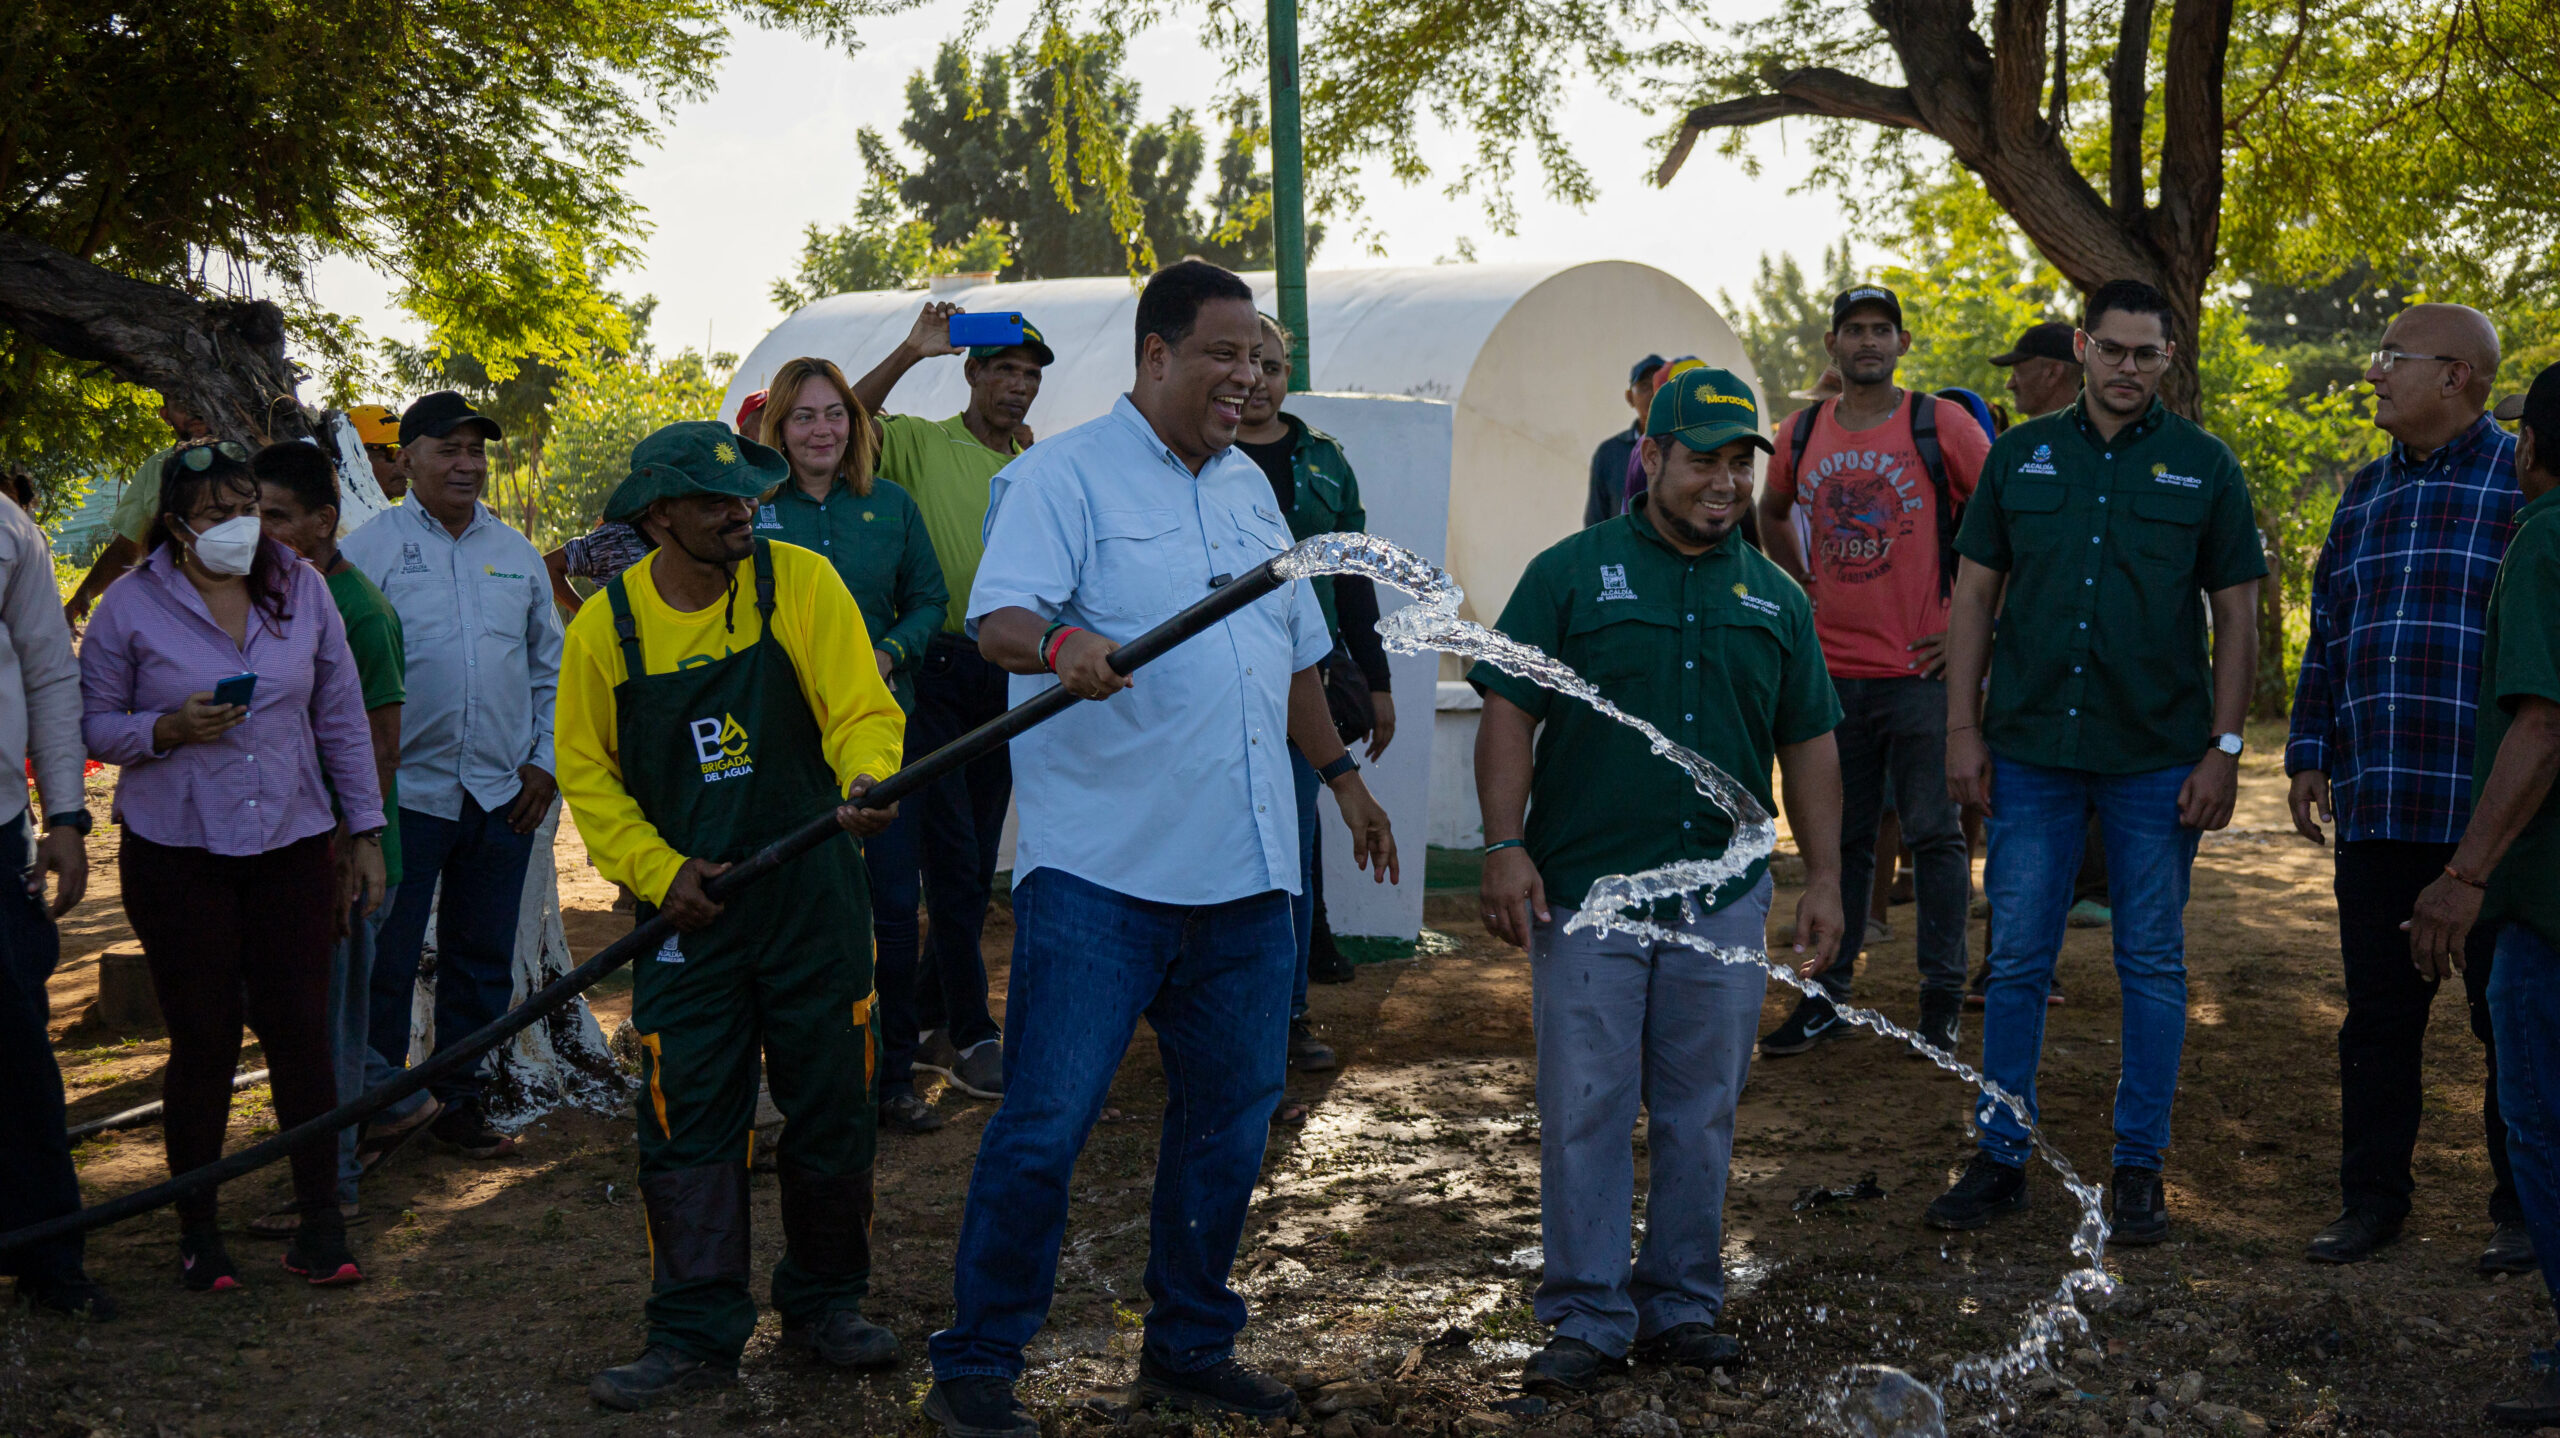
(1645, 369)
(2050, 340)
(1857, 295)
(2540, 413)
(437, 415)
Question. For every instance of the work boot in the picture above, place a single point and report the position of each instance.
(2537, 1407)
(2510, 1250)
(843, 1339)
(980, 1072)
(655, 1376)
(1567, 1367)
(1696, 1345)
(1225, 1386)
(1814, 1021)
(1987, 1190)
(2139, 1216)
(2352, 1237)
(1307, 1053)
(979, 1406)
(1939, 1016)
(75, 1296)
(909, 1114)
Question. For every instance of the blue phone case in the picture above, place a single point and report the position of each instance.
(993, 329)
(236, 689)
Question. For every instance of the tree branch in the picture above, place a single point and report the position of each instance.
(2128, 90)
(2017, 66)
(2192, 135)
(1832, 94)
(2057, 108)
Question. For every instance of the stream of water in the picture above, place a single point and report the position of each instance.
(1866, 1400)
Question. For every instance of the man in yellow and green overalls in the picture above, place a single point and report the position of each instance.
(724, 694)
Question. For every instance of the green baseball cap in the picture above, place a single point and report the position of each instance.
(1031, 341)
(1705, 409)
(695, 456)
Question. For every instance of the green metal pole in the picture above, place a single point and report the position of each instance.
(1288, 188)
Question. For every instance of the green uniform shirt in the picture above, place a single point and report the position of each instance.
(382, 667)
(1327, 500)
(946, 470)
(2110, 546)
(2519, 660)
(1717, 652)
(879, 548)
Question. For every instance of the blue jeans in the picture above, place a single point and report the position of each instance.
(2524, 1012)
(897, 883)
(2036, 828)
(350, 1032)
(1302, 905)
(1213, 982)
(482, 864)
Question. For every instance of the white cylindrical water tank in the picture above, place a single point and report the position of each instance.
(1535, 357)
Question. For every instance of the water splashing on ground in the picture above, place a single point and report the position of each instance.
(1870, 1400)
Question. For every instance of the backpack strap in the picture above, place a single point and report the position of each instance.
(764, 583)
(625, 628)
(1924, 437)
(1796, 444)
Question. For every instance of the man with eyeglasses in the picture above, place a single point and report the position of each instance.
(2110, 525)
(2383, 729)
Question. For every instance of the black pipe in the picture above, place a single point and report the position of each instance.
(1220, 602)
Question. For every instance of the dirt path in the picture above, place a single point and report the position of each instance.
(1406, 1208)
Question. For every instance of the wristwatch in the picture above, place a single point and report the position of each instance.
(2230, 744)
(1339, 767)
(76, 820)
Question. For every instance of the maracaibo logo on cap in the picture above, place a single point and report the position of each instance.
(1705, 409)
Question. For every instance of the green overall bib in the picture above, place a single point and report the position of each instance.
(723, 755)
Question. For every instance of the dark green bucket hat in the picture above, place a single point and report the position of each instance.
(695, 456)
(1705, 409)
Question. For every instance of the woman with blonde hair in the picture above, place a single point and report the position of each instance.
(872, 532)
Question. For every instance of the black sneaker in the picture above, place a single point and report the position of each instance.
(465, 1129)
(1225, 1386)
(2510, 1250)
(934, 1052)
(1567, 1366)
(1939, 1020)
(980, 1072)
(1307, 1053)
(1813, 1022)
(654, 1377)
(77, 1296)
(1697, 1345)
(2539, 1407)
(203, 1266)
(2352, 1237)
(319, 1251)
(2139, 1215)
(843, 1339)
(979, 1406)
(1987, 1190)
(909, 1114)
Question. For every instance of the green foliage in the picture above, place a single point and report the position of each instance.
(1782, 325)
(1969, 283)
(595, 421)
(884, 250)
(74, 431)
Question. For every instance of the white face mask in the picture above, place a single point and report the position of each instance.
(231, 546)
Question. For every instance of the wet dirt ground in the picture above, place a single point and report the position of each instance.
(1393, 1248)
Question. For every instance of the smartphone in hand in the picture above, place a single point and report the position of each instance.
(236, 690)
(968, 330)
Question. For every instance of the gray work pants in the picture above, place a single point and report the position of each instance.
(1620, 1022)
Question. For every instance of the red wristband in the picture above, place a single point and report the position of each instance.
(1058, 641)
(2464, 879)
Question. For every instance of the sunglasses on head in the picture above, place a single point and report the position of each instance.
(199, 457)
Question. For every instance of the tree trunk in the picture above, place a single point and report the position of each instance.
(222, 360)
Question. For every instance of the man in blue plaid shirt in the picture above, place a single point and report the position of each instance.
(2383, 720)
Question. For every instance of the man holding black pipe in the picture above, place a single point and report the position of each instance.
(1157, 855)
(687, 741)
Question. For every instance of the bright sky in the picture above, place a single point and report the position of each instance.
(773, 150)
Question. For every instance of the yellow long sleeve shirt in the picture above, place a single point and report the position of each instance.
(818, 626)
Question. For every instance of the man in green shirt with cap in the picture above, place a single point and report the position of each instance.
(947, 466)
(723, 693)
(2507, 868)
(1682, 624)
(2111, 525)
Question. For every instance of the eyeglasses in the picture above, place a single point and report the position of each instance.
(2383, 360)
(200, 457)
(2147, 358)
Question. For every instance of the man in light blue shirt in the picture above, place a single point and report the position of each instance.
(1157, 853)
(483, 655)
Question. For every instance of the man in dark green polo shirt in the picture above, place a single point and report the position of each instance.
(2110, 525)
(1682, 624)
(947, 465)
(2507, 868)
